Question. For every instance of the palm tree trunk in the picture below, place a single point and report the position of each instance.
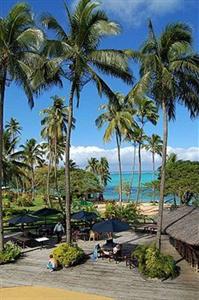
(162, 182)
(67, 167)
(133, 170)
(33, 183)
(120, 166)
(153, 162)
(2, 94)
(139, 173)
(48, 182)
(55, 166)
(56, 183)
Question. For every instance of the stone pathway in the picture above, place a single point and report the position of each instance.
(100, 278)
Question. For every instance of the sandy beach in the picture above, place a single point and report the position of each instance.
(147, 209)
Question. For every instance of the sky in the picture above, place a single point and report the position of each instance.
(87, 140)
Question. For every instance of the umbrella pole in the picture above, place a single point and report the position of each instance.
(22, 227)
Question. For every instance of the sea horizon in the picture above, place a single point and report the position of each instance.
(146, 194)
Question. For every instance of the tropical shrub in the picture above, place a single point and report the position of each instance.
(129, 212)
(68, 255)
(154, 264)
(10, 253)
(78, 204)
(24, 200)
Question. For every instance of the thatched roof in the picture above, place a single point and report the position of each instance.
(182, 224)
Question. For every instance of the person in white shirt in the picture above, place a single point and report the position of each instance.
(59, 230)
(117, 249)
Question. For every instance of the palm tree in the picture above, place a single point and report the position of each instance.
(32, 155)
(155, 147)
(103, 171)
(93, 165)
(54, 130)
(133, 136)
(118, 117)
(171, 69)
(13, 168)
(146, 111)
(75, 55)
(13, 127)
(18, 38)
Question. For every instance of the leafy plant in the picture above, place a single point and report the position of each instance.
(24, 200)
(10, 253)
(129, 212)
(68, 255)
(154, 264)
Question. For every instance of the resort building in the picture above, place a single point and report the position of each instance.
(182, 226)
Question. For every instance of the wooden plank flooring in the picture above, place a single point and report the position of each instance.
(101, 277)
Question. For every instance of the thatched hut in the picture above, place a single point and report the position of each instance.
(182, 226)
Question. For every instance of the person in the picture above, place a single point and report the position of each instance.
(59, 230)
(117, 249)
(96, 252)
(52, 263)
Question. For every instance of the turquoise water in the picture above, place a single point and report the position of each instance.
(146, 194)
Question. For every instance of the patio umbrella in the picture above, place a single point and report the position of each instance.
(25, 218)
(84, 216)
(111, 225)
(44, 212)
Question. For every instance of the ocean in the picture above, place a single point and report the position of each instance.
(146, 194)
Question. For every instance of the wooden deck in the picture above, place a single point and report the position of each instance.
(101, 277)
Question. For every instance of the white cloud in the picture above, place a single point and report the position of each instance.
(81, 154)
(136, 11)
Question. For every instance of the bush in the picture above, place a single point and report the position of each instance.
(154, 264)
(68, 255)
(128, 212)
(10, 253)
(24, 200)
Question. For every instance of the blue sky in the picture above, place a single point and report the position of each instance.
(132, 15)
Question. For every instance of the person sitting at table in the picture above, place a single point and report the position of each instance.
(117, 249)
(106, 252)
(96, 252)
(52, 263)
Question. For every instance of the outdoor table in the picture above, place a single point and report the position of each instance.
(151, 228)
(22, 240)
(41, 240)
(108, 247)
(82, 235)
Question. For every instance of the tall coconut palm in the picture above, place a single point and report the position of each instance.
(155, 147)
(118, 118)
(13, 127)
(13, 168)
(76, 56)
(103, 171)
(171, 68)
(146, 111)
(32, 155)
(54, 130)
(132, 136)
(18, 39)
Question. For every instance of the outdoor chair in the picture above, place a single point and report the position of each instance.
(118, 257)
(93, 236)
(131, 262)
(106, 254)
